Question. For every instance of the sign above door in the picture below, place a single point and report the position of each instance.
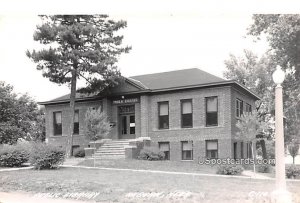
(126, 101)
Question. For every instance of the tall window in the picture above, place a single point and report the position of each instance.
(211, 111)
(212, 149)
(187, 150)
(248, 108)
(76, 122)
(242, 150)
(165, 147)
(186, 114)
(249, 150)
(163, 115)
(239, 108)
(57, 123)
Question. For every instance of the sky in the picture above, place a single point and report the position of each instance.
(163, 37)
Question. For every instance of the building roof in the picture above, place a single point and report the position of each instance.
(166, 81)
(175, 79)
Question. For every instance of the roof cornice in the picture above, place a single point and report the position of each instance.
(148, 91)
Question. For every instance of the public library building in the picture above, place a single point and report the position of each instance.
(189, 114)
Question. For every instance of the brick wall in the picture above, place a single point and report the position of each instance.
(239, 94)
(199, 133)
(65, 109)
(146, 119)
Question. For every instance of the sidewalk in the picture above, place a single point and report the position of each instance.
(14, 197)
(255, 175)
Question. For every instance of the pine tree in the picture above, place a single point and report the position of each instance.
(79, 46)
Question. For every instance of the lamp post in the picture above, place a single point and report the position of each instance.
(281, 194)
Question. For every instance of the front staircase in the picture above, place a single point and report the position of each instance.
(112, 149)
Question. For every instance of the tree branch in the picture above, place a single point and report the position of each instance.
(84, 78)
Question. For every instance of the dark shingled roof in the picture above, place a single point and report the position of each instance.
(78, 96)
(179, 78)
(186, 78)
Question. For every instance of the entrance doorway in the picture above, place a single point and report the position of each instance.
(126, 122)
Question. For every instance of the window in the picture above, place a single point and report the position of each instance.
(211, 111)
(187, 150)
(57, 123)
(248, 108)
(126, 109)
(165, 147)
(212, 149)
(76, 122)
(235, 150)
(163, 115)
(249, 150)
(186, 114)
(239, 108)
(242, 150)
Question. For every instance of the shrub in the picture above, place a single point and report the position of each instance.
(292, 171)
(46, 156)
(79, 153)
(230, 169)
(13, 155)
(151, 154)
(264, 168)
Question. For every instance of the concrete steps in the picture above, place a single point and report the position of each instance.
(112, 149)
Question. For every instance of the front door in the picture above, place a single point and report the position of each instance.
(126, 123)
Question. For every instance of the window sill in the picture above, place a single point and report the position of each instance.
(212, 126)
(163, 129)
(193, 128)
(58, 136)
(188, 160)
(186, 127)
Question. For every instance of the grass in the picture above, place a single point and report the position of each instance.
(115, 186)
(176, 166)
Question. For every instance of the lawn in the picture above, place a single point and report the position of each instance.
(126, 186)
(176, 166)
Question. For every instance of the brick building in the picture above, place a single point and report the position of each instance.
(188, 114)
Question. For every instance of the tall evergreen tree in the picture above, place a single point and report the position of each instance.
(79, 46)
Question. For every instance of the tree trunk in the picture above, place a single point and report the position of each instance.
(263, 149)
(72, 113)
(293, 159)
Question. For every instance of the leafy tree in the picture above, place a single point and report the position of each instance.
(249, 126)
(18, 116)
(39, 127)
(283, 34)
(79, 46)
(255, 73)
(293, 148)
(96, 125)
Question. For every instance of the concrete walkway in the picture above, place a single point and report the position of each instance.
(251, 174)
(14, 197)
(16, 169)
(162, 172)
